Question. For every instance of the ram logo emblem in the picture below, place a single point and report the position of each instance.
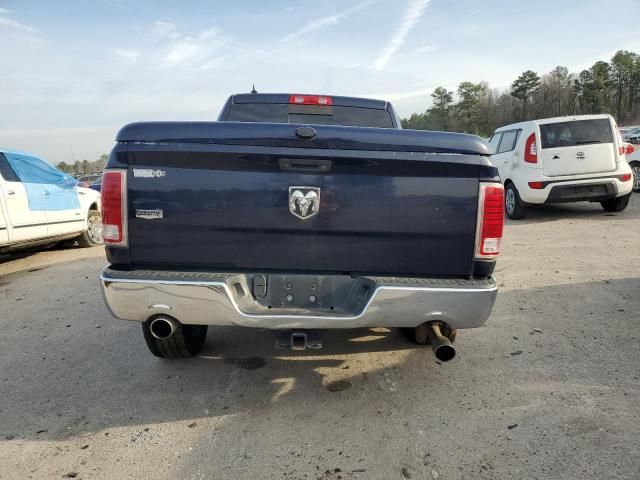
(304, 202)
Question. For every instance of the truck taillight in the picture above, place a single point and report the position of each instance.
(490, 220)
(114, 207)
(531, 149)
(310, 100)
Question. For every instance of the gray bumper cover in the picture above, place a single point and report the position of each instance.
(200, 298)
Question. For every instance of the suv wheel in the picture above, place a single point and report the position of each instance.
(616, 204)
(512, 203)
(635, 168)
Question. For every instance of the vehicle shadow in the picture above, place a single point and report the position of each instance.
(541, 362)
(577, 211)
(65, 382)
(14, 255)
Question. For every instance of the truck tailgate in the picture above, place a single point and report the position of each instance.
(222, 206)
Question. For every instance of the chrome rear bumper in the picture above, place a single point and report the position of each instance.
(203, 298)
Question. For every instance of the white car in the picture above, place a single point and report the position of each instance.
(561, 160)
(40, 205)
(632, 154)
(631, 135)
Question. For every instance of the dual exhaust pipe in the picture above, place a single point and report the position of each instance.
(164, 327)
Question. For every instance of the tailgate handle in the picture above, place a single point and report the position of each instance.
(305, 165)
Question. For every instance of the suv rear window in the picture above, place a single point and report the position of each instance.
(315, 115)
(579, 132)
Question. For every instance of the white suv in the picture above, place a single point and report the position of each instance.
(560, 160)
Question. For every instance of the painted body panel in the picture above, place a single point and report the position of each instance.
(25, 223)
(4, 224)
(392, 201)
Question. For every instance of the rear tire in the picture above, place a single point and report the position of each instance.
(92, 236)
(512, 203)
(617, 204)
(635, 168)
(186, 341)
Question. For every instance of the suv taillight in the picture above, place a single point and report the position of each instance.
(531, 149)
(490, 220)
(113, 207)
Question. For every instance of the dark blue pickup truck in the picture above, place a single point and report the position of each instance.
(297, 213)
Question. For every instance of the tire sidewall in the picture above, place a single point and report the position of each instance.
(635, 166)
(511, 196)
(92, 216)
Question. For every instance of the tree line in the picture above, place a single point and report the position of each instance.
(607, 87)
(83, 167)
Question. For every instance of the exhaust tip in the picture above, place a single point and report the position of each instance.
(444, 353)
(441, 345)
(162, 328)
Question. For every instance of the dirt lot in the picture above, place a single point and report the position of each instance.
(550, 388)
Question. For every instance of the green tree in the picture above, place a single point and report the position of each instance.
(470, 94)
(560, 85)
(417, 121)
(622, 66)
(524, 87)
(634, 85)
(595, 84)
(64, 167)
(603, 88)
(442, 101)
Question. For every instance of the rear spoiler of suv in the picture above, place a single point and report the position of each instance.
(284, 135)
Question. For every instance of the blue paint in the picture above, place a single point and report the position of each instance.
(47, 187)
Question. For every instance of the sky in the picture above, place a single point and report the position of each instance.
(74, 72)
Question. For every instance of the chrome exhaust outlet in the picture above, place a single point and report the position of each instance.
(163, 327)
(441, 345)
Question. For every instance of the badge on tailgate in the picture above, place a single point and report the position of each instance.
(149, 214)
(304, 202)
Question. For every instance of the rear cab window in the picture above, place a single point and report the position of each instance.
(310, 114)
(575, 133)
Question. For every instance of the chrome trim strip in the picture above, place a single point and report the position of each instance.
(45, 223)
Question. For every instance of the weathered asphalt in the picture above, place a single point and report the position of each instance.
(550, 388)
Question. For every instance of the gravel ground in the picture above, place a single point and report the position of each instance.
(550, 388)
